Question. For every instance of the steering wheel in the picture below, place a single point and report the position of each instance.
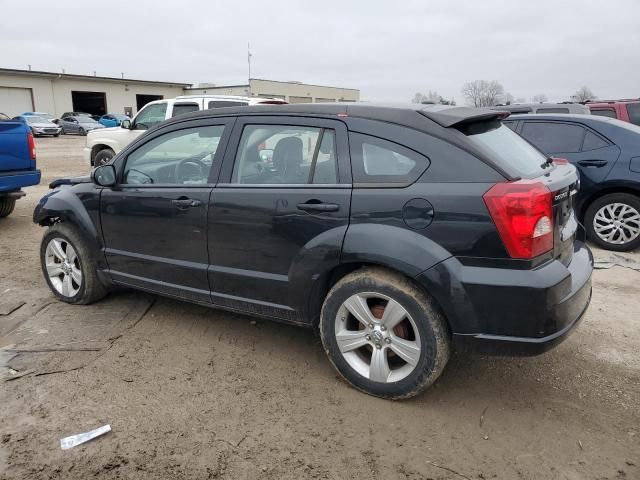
(190, 169)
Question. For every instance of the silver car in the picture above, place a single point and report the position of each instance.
(39, 125)
(79, 124)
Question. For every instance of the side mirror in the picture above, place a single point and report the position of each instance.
(104, 176)
(126, 124)
(55, 120)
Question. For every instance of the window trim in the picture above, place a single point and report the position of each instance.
(216, 166)
(343, 165)
(554, 122)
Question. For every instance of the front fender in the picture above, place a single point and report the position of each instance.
(76, 205)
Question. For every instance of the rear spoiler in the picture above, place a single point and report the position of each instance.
(452, 117)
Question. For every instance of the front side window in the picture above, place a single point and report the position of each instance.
(182, 108)
(182, 157)
(281, 154)
(375, 160)
(554, 137)
(633, 109)
(151, 115)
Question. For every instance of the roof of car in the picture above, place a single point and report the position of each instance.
(410, 114)
(561, 116)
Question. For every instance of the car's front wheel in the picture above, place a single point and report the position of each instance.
(103, 157)
(384, 335)
(82, 131)
(613, 222)
(70, 266)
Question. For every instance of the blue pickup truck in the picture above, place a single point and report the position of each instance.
(17, 162)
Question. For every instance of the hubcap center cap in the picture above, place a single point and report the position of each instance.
(377, 335)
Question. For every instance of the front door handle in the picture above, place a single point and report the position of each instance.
(317, 206)
(592, 163)
(183, 203)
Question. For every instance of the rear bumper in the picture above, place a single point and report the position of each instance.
(13, 181)
(503, 311)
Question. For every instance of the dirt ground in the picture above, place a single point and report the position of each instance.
(193, 393)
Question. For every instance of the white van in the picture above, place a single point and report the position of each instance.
(104, 143)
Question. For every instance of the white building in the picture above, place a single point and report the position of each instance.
(56, 93)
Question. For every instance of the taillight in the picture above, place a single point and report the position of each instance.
(32, 146)
(560, 161)
(523, 215)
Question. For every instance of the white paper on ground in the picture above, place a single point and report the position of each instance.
(70, 442)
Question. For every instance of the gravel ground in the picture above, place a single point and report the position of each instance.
(196, 393)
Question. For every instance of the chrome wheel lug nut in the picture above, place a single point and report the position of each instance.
(371, 326)
(368, 338)
(388, 340)
(378, 346)
(383, 328)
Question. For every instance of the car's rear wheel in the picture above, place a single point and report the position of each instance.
(6, 206)
(613, 222)
(384, 335)
(103, 156)
(69, 266)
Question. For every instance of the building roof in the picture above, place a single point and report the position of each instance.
(272, 81)
(70, 76)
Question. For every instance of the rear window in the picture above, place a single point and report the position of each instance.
(182, 108)
(553, 110)
(604, 112)
(633, 109)
(505, 148)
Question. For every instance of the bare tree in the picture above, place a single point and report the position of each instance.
(431, 97)
(482, 93)
(583, 94)
(539, 98)
(417, 98)
(507, 98)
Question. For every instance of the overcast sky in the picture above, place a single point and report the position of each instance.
(388, 49)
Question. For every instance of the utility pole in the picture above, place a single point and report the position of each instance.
(249, 63)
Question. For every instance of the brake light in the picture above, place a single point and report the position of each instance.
(560, 161)
(32, 146)
(522, 212)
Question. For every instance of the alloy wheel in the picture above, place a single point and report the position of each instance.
(617, 223)
(63, 267)
(377, 337)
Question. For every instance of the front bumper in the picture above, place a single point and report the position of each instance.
(14, 181)
(47, 131)
(505, 311)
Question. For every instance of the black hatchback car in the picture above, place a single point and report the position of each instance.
(397, 231)
(606, 152)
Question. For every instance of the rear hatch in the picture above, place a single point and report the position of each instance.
(518, 160)
(14, 147)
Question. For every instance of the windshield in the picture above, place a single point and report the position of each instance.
(83, 119)
(505, 148)
(34, 119)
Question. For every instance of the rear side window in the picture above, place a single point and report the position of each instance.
(604, 112)
(182, 108)
(222, 103)
(633, 109)
(375, 160)
(505, 148)
(593, 142)
(552, 137)
(511, 125)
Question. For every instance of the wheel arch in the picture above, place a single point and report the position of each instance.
(99, 147)
(629, 188)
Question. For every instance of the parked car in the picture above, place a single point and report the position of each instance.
(79, 124)
(521, 108)
(17, 162)
(398, 232)
(47, 116)
(4, 116)
(75, 114)
(102, 146)
(607, 154)
(625, 110)
(113, 119)
(39, 125)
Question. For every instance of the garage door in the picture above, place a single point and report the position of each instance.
(293, 99)
(14, 101)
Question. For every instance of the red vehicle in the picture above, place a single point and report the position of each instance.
(626, 110)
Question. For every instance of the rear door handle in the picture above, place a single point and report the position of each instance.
(592, 163)
(183, 203)
(318, 207)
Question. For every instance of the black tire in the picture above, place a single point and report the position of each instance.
(6, 206)
(103, 156)
(56, 135)
(82, 131)
(62, 132)
(430, 322)
(628, 199)
(90, 289)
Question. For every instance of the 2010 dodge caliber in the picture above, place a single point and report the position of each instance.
(399, 232)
